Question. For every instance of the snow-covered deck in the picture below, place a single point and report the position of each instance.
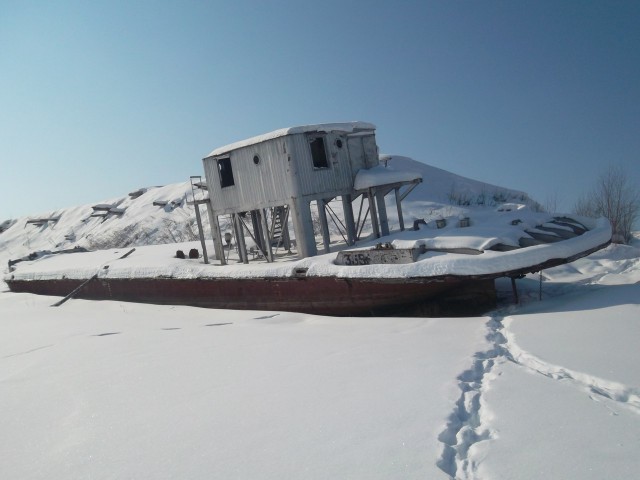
(485, 232)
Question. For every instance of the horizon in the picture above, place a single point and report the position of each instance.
(99, 100)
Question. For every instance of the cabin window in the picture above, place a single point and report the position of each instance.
(226, 173)
(318, 152)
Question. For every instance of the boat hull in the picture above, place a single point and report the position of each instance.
(446, 295)
(316, 295)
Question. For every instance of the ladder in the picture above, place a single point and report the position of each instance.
(196, 205)
(279, 227)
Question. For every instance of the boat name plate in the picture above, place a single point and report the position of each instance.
(377, 257)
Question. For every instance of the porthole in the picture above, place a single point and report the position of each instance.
(256, 159)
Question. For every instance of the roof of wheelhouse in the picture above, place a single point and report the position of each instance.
(348, 127)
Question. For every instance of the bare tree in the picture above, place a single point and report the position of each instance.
(120, 238)
(614, 197)
(173, 231)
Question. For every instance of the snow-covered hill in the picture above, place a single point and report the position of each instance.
(443, 187)
(148, 216)
(157, 215)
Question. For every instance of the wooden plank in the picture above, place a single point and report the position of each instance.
(83, 284)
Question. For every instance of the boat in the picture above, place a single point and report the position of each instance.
(424, 272)
(271, 253)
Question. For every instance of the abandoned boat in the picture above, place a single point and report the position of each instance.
(268, 203)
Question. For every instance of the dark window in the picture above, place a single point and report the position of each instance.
(318, 152)
(226, 174)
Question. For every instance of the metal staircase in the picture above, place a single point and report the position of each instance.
(279, 227)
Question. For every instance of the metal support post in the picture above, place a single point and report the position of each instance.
(347, 208)
(374, 213)
(303, 228)
(216, 234)
(196, 206)
(382, 213)
(324, 225)
(399, 207)
(242, 246)
(265, 235)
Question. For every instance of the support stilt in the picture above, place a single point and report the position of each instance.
(242, 247)
(217, 235)
(374, 213)
(540, 287)
(515, 290)
(347, 209)
(324, 225)
(399, 207)
(265, 235)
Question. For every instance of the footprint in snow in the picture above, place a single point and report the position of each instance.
(27, 351)
(267, 316)
(217, 324)
(105, 334)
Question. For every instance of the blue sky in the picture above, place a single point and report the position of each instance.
(100, 98)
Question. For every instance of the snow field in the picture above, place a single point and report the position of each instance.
(117, 390)
(114, 390)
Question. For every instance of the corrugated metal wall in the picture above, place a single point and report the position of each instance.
(310, 181)
(259, 185)
(363, 151)
(286, 170)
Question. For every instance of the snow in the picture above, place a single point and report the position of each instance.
(138, 391)
(443, 186)
(546, 389)
(380, 175)
(159, 260)
(571, 388)
(569, 434)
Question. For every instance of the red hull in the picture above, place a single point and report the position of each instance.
(317, 295)
(445, 295)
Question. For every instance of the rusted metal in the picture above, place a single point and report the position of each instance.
(300, 292)
(317, 295)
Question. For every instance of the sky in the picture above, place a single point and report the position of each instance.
(98, 99)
